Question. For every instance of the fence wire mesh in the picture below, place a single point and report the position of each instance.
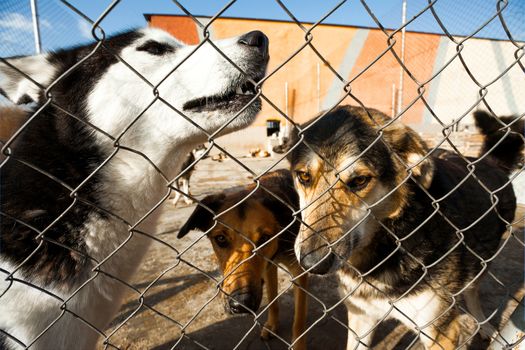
(71, 284)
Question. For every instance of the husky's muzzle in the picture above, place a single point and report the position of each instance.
(257, 41)
(256, 46)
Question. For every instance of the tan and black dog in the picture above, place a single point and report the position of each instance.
(407, 232)
(249, 241)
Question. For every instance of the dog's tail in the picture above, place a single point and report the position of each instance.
(505, 149)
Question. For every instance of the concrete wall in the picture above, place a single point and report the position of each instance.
(454, 92)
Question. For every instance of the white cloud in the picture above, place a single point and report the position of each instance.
(85, 29)
(44, 23)
(17, 21)
(10, 37)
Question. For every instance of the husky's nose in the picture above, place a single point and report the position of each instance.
(256, 39)
(320, 261)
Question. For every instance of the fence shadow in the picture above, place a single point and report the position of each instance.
(228, 333)
(176, 285)
(218, 332)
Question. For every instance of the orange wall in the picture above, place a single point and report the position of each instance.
(301, 71)
(373, 87)
(183, 28)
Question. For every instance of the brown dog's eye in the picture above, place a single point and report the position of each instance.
(221, 241)
(358, 182)
(303, 177)
(264, 239)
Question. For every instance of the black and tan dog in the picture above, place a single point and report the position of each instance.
(407, 232)
(249, 241)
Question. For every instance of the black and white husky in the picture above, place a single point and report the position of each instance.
(83, 176)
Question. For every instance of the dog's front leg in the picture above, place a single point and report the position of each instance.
(360, 328)
(186, 190)
(445, 335)
(300, 311)
(471, 296)
(175, 200)
(271, 325)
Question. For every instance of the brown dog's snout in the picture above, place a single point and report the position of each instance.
(243, 302)
(319, 260)
(313, 250)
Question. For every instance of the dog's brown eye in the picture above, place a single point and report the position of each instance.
(221, 241)
(358, 182)
(264, 238)
(303, 177)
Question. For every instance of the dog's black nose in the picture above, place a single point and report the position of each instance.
(256, 39)
(319, 261)
(242, 303)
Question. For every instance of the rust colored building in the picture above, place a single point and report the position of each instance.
(312, 86)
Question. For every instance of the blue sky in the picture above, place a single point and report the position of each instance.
(61, 26)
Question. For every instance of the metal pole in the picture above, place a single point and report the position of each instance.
(36, 29)
(318, 87)
(393, 100)
(286, 99)
(401, 73)
(286, 126)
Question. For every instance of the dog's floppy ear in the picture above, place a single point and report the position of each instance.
(16, 87)
(293, 138)
(202, 218)
(280, 184)
(413, 151)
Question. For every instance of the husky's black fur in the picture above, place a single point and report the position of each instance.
(53, 155)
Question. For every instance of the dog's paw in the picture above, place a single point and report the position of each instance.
(266, 332)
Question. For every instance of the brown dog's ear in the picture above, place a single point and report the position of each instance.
(280, 184)
(413, 151)
(202, 218)
(282, 212)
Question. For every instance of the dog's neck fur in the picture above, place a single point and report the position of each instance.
(128, 178)
(123, 191)
(383, 243)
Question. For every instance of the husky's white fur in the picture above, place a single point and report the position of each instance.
(132, 186)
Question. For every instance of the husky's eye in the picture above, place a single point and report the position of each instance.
(155, 48)
(358, 182)
(221, 241)
(303, 177)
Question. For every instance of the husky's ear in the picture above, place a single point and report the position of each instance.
(413, 151)
(201, 218)
(16, 87)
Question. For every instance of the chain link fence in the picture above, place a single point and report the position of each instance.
(175, 298)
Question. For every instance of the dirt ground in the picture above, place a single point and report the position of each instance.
(172, 295)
